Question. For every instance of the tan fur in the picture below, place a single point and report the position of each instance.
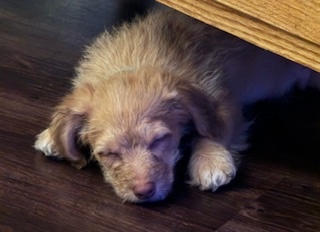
(137, 88)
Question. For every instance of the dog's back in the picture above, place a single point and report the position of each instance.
(190, 49)
(165, 39)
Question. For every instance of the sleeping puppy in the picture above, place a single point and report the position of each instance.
(138, 88)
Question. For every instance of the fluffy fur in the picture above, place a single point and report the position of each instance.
(137, 88)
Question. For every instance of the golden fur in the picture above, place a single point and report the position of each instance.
(137, 88)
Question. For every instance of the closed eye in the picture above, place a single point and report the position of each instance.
(160, 143)
(109, 154)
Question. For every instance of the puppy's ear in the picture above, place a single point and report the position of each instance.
(67, 121)
(206, 113)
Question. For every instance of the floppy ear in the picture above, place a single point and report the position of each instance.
(67, 121)
(207, 114)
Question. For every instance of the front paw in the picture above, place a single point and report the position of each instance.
(45, 144)
(211, 166)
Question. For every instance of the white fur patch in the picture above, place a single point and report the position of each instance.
(44, 143)
(211, 166)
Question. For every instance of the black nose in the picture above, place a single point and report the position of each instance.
(145, 190)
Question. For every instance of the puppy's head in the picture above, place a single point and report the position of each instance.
(133, 123)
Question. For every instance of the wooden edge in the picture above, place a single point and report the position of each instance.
(252, 30)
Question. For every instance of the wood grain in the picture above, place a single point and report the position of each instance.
(300, 18)
(40, 43)
(288, 28)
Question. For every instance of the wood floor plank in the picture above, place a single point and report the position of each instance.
(292, 205)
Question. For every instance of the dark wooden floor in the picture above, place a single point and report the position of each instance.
(277, 188)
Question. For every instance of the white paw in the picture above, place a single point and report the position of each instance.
(211, 167)
(44, 143)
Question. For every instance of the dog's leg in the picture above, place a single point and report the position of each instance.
(215, 160)
(211, 165)
(44, 143)
(61, 139)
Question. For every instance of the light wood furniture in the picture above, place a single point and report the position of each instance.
(290, 28)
